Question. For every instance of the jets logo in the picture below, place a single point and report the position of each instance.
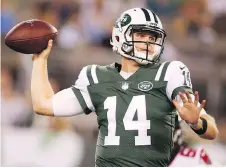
(145, 86)
(123, 21)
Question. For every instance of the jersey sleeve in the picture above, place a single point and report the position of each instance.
(65, 103)
(80, 90)
(178, 77)
(74, 100)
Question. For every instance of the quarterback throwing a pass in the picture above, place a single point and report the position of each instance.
(135, 101)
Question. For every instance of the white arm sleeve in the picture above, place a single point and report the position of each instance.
(74, 100)
(65, 103)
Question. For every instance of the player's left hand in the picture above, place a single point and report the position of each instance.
(190, 110)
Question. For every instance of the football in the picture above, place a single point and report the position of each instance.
(30, 36)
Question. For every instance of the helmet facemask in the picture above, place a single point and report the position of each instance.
(129, 47)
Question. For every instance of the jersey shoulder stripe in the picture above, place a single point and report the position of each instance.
(162, 71)
(81, 85)
(89, 74)
(92, 74)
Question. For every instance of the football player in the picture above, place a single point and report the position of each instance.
(183, 156)
(134, 101)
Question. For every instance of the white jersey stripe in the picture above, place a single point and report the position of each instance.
(82, 84)
(94, 74)
(86, 96)
(157, 77)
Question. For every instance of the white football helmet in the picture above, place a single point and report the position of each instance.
(133, 20)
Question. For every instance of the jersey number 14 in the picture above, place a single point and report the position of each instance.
(142, 125)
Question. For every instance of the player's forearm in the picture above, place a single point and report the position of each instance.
(41, 90)
(212, 131)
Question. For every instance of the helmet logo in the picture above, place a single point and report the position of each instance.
(151, 23)
(123, 21)
(145, 86)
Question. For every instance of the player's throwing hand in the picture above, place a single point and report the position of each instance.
(45, 53)
(190, 111)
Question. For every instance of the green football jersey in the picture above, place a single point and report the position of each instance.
(136, 116)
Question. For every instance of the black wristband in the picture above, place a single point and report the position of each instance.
(203, 129)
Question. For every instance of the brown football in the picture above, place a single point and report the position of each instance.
(31, 36)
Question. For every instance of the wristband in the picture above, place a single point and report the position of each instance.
(203, 129)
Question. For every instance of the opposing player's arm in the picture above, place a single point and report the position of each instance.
(68, 102)
(179, 82)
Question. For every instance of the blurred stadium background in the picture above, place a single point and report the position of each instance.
(196, 32)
